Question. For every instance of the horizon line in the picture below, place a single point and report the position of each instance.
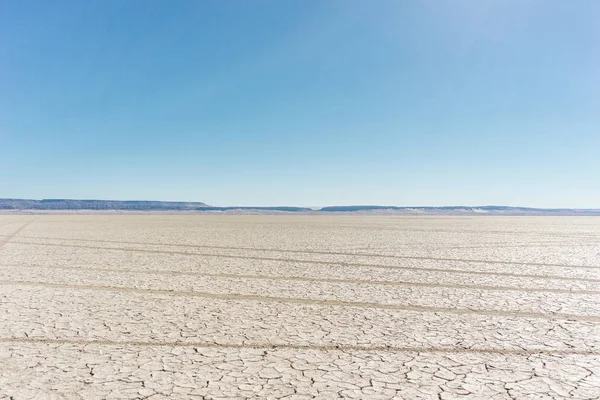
(206, 205)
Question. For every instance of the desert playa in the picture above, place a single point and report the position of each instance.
(299, 307)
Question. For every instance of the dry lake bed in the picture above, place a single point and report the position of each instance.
(299, 307)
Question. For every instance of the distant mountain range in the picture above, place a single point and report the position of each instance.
(245, 208)
(464, 210)
(136, 205)
(67, 204)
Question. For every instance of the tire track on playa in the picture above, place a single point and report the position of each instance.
(578, 235)
(417, 245)
(328, 253)
(308, 279)
(8, 238)
(312, 261)
(284, 346)
(345, 264)
(291, 300)
(530, 245)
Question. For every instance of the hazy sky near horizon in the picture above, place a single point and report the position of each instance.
(299, 102)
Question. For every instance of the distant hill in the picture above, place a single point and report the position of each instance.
(464, 210)
(136, 205)
(245, 208)
(67, 204)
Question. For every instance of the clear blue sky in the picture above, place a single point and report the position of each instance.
(301, 102)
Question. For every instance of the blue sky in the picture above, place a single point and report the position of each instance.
(302, 102)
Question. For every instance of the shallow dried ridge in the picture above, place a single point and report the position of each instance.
(298, 307)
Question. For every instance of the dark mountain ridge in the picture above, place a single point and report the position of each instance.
(463, 210)
(69, 204)
(142, 205)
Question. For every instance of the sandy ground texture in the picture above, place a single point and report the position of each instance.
(299, 307)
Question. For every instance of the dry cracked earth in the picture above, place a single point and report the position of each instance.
(299, 307)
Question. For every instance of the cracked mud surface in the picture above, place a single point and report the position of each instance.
(288, 307)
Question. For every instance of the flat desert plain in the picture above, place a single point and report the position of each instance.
(299, 307)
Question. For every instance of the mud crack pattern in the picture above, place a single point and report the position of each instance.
(298, 307)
